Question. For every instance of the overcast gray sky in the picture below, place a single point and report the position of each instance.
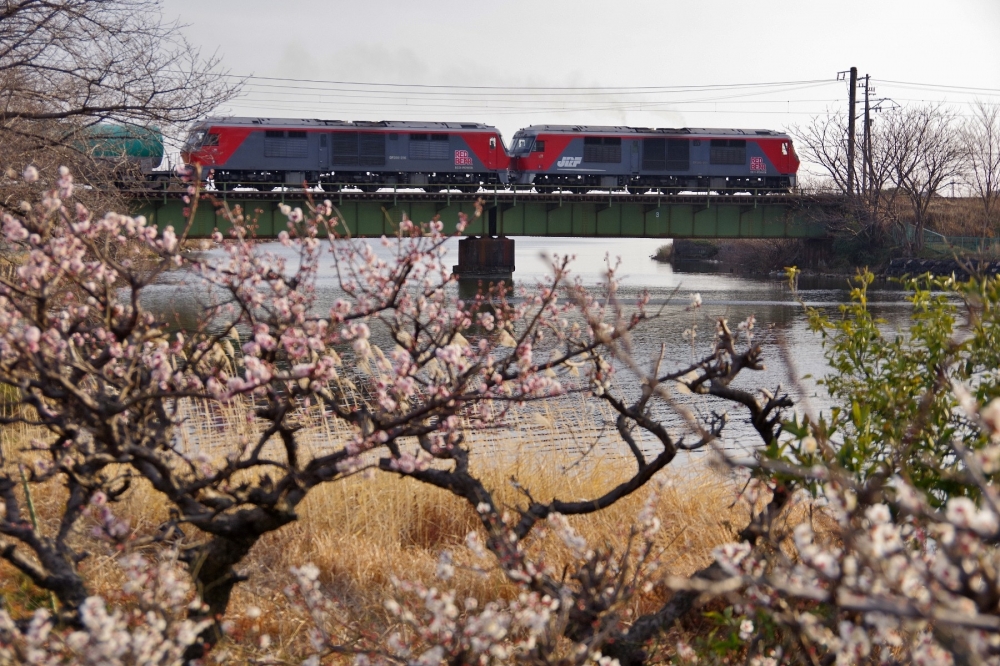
(338, 50)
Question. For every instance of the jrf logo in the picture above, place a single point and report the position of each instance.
(569, 162)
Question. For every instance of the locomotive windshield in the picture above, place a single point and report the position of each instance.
(194, 140)
(521, 144)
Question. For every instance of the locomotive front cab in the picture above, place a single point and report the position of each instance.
(522, 147)
(198, 148)
(792, 164)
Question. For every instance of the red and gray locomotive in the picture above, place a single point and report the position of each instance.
(639, 158)
(467, 156)
(250, 151)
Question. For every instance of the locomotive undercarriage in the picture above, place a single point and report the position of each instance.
(723, 185)
(368, 181)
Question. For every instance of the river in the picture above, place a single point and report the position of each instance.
(793, 354)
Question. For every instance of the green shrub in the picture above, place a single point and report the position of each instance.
(899, 393)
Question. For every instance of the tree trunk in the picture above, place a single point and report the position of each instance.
(212, 567)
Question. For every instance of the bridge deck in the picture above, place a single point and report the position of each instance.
(518, 213)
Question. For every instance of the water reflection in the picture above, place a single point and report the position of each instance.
(469, 289)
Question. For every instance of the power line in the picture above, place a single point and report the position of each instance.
(461, 91)
(519, 88)
(373, 87)
(377, 95)
(638, 104)
(304, 94)
(939, 85)
(506, 105)
(356, 100)
(531, 111)
(310, 92)
(941, 101)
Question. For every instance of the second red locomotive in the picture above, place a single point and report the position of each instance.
(695, 159)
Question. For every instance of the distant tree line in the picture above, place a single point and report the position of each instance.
(914, 152)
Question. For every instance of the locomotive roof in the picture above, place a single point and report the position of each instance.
(359, 124)
(616, 129)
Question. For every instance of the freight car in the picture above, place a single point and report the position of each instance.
(724, 160)
(368, 155)
(130, 146)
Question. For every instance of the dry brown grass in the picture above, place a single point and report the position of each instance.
(361, 532)
(958, 216)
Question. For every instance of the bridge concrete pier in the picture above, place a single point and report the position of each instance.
(485, 258)
(488, 258)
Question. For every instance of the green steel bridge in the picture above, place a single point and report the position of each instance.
(488, 251)
(518, 212)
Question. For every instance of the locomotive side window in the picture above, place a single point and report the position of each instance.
(211, 140)
(728, 151)
(607, 150)
(784, 148)
(539, 147)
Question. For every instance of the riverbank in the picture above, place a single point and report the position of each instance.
(757, 257)
(962, 269)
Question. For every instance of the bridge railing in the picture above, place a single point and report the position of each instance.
(492, 189)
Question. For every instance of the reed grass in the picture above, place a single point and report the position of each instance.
(361, 532)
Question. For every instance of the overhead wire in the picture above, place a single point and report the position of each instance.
(937, 86)
(323, 95)
(322, 98)
(637, 106)
(523, 88)
(563, 110)
(460, 92)
(367, 97)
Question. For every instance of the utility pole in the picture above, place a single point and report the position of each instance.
(867, 139)
(850, 131)
(852, 98)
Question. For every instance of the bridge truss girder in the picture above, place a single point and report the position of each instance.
(700, 217)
